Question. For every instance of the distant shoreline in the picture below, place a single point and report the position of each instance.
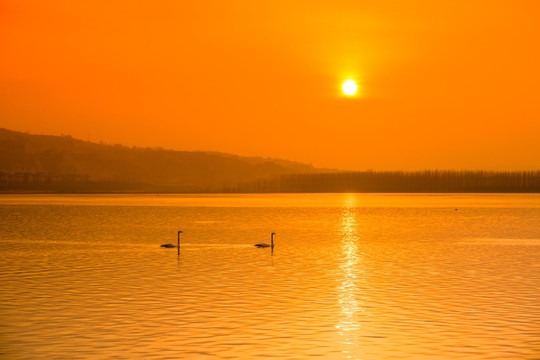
(247, 193)
(43, 164)
(446, 181)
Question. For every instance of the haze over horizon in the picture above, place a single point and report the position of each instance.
(447, 85)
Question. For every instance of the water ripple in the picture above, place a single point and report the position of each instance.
(345, 282)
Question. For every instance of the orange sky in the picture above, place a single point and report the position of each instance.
(446, 84)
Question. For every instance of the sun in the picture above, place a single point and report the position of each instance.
(349, 87)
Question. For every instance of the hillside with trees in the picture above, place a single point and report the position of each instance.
(43, 163)
(62, 163)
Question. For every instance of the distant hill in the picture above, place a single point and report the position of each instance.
(62, 163)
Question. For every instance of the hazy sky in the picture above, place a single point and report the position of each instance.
(444, 83)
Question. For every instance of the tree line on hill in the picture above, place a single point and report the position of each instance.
(429, 181)
(330, 182)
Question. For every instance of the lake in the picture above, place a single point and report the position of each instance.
(352, 276)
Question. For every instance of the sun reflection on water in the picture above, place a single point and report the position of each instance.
(348, 290)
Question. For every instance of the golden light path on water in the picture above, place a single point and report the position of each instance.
(348, 290)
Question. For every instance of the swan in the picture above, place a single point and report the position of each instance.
(170, 245)
(264, 245)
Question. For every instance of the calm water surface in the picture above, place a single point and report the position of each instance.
(352, 276)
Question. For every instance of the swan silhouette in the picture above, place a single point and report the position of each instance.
(265, 245)
(171, 245)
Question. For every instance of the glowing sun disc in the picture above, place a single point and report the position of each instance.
(349, 87)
